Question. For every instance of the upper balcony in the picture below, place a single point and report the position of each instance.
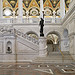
(29, 21)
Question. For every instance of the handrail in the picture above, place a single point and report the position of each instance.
(19, 33)
(61, 54)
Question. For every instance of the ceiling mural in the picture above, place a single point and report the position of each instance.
(33, 6)
(12, 2)
(38, 2)
(26, 3)
(47, 3)
(67, 2)
(6, 4)
(54, 3)
(51, 3)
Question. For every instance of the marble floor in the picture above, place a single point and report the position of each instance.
(37, 69)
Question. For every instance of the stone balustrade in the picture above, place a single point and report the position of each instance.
(6, 20)
(29, 20)
(29, 38)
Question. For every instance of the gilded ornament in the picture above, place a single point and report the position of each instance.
(12, 2)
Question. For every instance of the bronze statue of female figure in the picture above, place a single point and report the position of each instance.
(41, 27)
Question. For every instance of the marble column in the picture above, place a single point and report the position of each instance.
(41, 9)
(20, 8)
(62, 8)
(42, 47)
(1, 8)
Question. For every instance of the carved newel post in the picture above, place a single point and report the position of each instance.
(42, 47)
(42, 41)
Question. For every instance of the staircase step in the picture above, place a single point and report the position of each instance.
(55, 57)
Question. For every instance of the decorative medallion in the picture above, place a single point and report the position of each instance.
(26, 3)
(33, 12)
(48, 11)
(12, 3)
(33, 4)
(54, 3)
(6, 4)
(47, 3)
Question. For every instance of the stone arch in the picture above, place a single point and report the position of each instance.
(32, 32)
(55, 46)
(54, 32)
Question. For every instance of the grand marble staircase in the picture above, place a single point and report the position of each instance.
(55, 57)
(27, 40)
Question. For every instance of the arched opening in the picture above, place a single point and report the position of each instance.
(53, 42)
(9, 47)
(32, 34)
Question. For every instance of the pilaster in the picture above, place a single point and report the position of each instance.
(20, 7)
(41, 9)
(62, 8)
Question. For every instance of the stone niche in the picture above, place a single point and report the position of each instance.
(9, 47)
(9, 44)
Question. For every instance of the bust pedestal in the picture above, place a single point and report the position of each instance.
(42, 47)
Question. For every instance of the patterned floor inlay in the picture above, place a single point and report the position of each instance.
(24, 66)
(45, 70)
(68, 70)
(37, 69)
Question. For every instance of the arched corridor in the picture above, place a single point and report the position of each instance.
(53, 42)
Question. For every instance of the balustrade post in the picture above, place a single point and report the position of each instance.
(42, 47)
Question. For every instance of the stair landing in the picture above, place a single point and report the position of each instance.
(55, 57)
